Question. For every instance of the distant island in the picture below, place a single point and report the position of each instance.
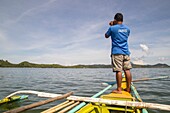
(26, 64)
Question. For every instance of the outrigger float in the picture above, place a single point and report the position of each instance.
(13, 98)
(106, 103)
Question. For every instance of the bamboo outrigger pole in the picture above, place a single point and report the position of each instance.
(121, 103)
(138, 80)
(20, 109)
(155, 78)
(40, 94)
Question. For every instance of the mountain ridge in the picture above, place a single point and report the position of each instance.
(26, 64)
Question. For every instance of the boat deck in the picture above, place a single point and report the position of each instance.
(113, 96)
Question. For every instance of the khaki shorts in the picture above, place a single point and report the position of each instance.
(121, 62)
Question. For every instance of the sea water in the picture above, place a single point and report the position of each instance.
(83, 82)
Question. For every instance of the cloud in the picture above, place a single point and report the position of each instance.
(5, 44)
(163, 59)
(140, 59)
(72, 32)
(33, 10)
(145, 48)
(139, 62)
(78, 56)
(2, 37)
(79, 45)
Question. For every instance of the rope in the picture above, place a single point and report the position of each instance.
(126, 107)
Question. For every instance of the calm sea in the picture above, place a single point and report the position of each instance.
(83, 82)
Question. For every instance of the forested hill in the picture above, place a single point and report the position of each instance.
(5, 63)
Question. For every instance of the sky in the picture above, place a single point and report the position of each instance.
(70, 32)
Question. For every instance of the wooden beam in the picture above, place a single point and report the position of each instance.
(69, 107)
(20, 109)
(55, 107)
(121, 103)
(58, 107)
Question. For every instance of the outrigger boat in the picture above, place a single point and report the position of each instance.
(106, 103)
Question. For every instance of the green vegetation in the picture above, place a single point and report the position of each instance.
(26, 64)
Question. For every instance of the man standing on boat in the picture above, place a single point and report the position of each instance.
(120, 52)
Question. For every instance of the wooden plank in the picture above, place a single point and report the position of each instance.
(20, 109)
(57, 108)
(69, 107)
(121, 103)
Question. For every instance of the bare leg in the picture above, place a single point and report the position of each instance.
(119, 82)
(128, 79)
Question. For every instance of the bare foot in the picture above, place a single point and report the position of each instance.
(117, 91)
(127, 90)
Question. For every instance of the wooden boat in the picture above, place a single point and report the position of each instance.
(125, 96)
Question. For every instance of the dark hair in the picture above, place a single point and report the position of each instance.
(119, 17)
